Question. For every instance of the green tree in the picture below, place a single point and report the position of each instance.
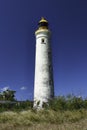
(9, 95)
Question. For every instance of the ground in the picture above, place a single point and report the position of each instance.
(44, 120)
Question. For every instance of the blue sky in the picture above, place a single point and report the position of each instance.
(68, 23)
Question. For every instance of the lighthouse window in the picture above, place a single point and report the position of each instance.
(42, 40)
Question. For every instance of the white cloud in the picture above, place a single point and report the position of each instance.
(23, 88)
(4, 88)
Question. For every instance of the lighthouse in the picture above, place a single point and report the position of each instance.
(43, 82)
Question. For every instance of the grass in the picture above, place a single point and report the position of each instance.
(44, 120)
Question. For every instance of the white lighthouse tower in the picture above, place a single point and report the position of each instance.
(43, 85)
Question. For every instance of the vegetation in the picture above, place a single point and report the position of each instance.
(44, 120)
(69, 102)
(8, 95)
(62, 113)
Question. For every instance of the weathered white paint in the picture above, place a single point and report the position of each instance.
(43, 85)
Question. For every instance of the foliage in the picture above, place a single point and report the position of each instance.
(16, 106)
(69, 102)
(30, 118)
(60, 103)
(59, 113)
(8, 95)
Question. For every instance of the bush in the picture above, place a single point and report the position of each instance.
(69, 102)
(61, 103)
